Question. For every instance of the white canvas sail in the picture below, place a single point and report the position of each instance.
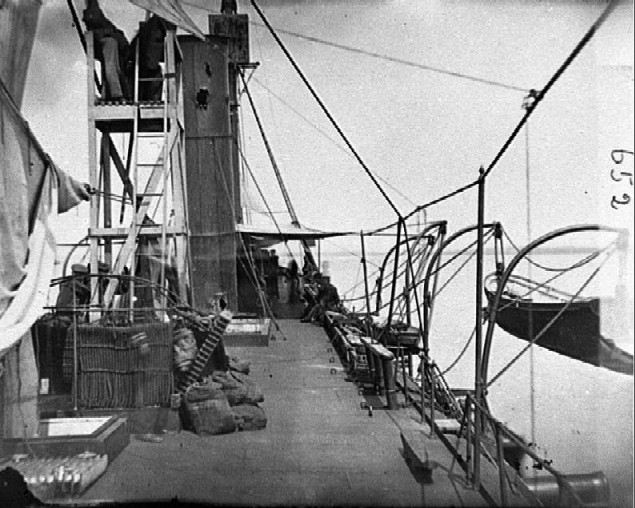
(171, 11)
(18, 23)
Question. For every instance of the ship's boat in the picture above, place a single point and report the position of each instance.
(570, 327)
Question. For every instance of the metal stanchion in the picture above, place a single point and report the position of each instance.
(75, 363)
(468, 439)
(433, 381)
(501, 464)
(390, 387)
(401, 361)
(423, 367)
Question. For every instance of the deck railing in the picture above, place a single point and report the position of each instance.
(475, 429)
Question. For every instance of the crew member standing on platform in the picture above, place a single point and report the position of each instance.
(151, 40)
(111, 49)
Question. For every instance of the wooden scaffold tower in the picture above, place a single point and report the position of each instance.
(147, 236)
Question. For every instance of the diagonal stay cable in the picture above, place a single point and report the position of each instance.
(265, 304)
(460, 355)
(324, 108)
(546, 327)
(269, 212)
(274, 164)
(327, 137)
(538, 97)
(487, 237)
(538, 287)
(401, 61)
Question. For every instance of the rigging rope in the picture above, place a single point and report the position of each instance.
(398, 276)
(358, 298)
(324, 109)
(407, 288)
(539, 96)
(400, 60)
(537, 287)
(262, 195)
(274, 164)
(111, 196)
(535, 263)
(446, 263)
(530, 321)
(265, 304)
(359, 269)
(458, 358)
(486, 238)
(240, 141)
(350, 252)
(276, 170)
(330, 139)
(548, 325)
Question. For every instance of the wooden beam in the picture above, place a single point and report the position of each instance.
(129, 245)
(144, 230)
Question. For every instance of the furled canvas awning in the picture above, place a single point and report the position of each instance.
(286, 233)
(171, 11)
(32, 190)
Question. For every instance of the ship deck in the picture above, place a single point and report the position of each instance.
(319, 447)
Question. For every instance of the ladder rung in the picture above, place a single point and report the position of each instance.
(150, 194)
(150, 79)
(139, 165)
(149, 135)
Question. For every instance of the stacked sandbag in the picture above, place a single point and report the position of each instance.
(208, 409)
(233, 389)
(236, 365)
(248, 417)
(238, 388)
(253, 395)
(243, 396)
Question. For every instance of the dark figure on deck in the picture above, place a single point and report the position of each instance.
(271, 276)
(292, 277)
(310, 298)
(309, 267)
(151, 39)
(111, 49)
(327, 299)
(228, 7)
(14, 490)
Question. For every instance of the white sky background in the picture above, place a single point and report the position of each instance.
(424, 132)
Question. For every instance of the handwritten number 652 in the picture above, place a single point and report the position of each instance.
(625, 200)
(621, 154)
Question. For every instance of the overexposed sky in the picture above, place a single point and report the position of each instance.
(424, 132)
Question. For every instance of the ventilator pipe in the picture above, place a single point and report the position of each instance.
(377, 372)
(390, 386)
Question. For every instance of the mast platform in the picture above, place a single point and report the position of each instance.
(319, 447)
(118, 117)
